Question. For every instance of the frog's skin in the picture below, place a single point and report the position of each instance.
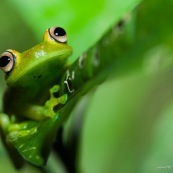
(32, 78)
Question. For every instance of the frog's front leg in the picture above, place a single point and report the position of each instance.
(53, 101)
(36, 112)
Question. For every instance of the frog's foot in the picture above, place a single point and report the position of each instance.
(19, 130)
(9, 127)
(53, 101)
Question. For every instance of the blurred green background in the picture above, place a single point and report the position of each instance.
(128, 123)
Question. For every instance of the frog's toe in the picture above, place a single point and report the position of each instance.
(4, 122)
(54, 89)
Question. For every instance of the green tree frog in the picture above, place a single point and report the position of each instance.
(32, 78)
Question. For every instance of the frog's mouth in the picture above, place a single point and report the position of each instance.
(43, 70)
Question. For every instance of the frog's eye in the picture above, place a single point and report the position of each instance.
(58, 34)
(7, 60)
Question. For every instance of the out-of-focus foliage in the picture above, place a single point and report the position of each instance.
(128, 126)
(128, 123)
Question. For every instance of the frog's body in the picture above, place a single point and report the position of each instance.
(35, 71)
(32, 78)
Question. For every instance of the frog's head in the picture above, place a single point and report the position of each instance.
(40, 64)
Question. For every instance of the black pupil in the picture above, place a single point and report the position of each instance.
(4, 60)
(59, 32)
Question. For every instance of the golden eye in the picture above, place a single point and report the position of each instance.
(7, 61)
(58, 34)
